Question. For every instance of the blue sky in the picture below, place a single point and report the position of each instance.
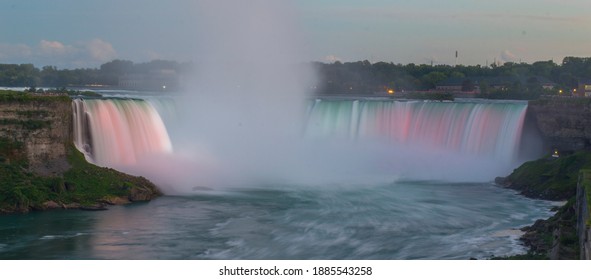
(74, 33)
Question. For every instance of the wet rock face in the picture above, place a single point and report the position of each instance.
(43, 127)
(565, 123)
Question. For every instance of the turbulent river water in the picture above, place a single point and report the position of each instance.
(401, 220)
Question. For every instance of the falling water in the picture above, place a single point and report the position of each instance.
(118, 131)
(343, 141)
(491, 130)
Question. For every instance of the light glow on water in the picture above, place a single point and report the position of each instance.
(403, 220)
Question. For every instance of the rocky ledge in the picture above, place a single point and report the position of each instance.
(551, 179)
(565, 123)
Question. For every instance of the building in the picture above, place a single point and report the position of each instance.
(450, 85)
(472, 84)
(584, 88)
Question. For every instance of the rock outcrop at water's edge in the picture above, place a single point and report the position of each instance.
(40, 169)
(562, 236)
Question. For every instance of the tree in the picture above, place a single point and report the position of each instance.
(433, 78)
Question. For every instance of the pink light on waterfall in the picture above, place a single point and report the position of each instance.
(119, 132)
(492, 129)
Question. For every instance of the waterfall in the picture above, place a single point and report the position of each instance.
(343, 141)
(118, 131)
(491, 129)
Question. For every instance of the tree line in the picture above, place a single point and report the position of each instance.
(522, 80)
(27, 75)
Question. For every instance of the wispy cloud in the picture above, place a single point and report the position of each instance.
(55, 48)
(100, 50)
(332, 58)
(51, 52)
(508, 56)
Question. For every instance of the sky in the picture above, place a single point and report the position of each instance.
(80, 34)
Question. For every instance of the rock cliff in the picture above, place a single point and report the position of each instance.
(44, 127)
(565, 123)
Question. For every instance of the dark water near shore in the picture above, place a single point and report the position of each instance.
(403, 220)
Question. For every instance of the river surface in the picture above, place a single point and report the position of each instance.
(399, 220)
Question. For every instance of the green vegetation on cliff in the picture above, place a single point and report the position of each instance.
(21, 97)
(587, 187)
(63, 91)
(19, 188)
(26, 124)
(549, 178)
(84, 184)
(91, 183)
(78, 184)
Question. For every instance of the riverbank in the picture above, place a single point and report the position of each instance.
(555, 179)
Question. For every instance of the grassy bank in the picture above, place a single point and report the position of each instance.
(83, 185)
(549, 178)
(18, 97)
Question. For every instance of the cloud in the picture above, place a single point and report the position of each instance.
(56, 53)
(55, 48)
(332, 58)
(508, 56)
(152, 55)
(100, 50)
